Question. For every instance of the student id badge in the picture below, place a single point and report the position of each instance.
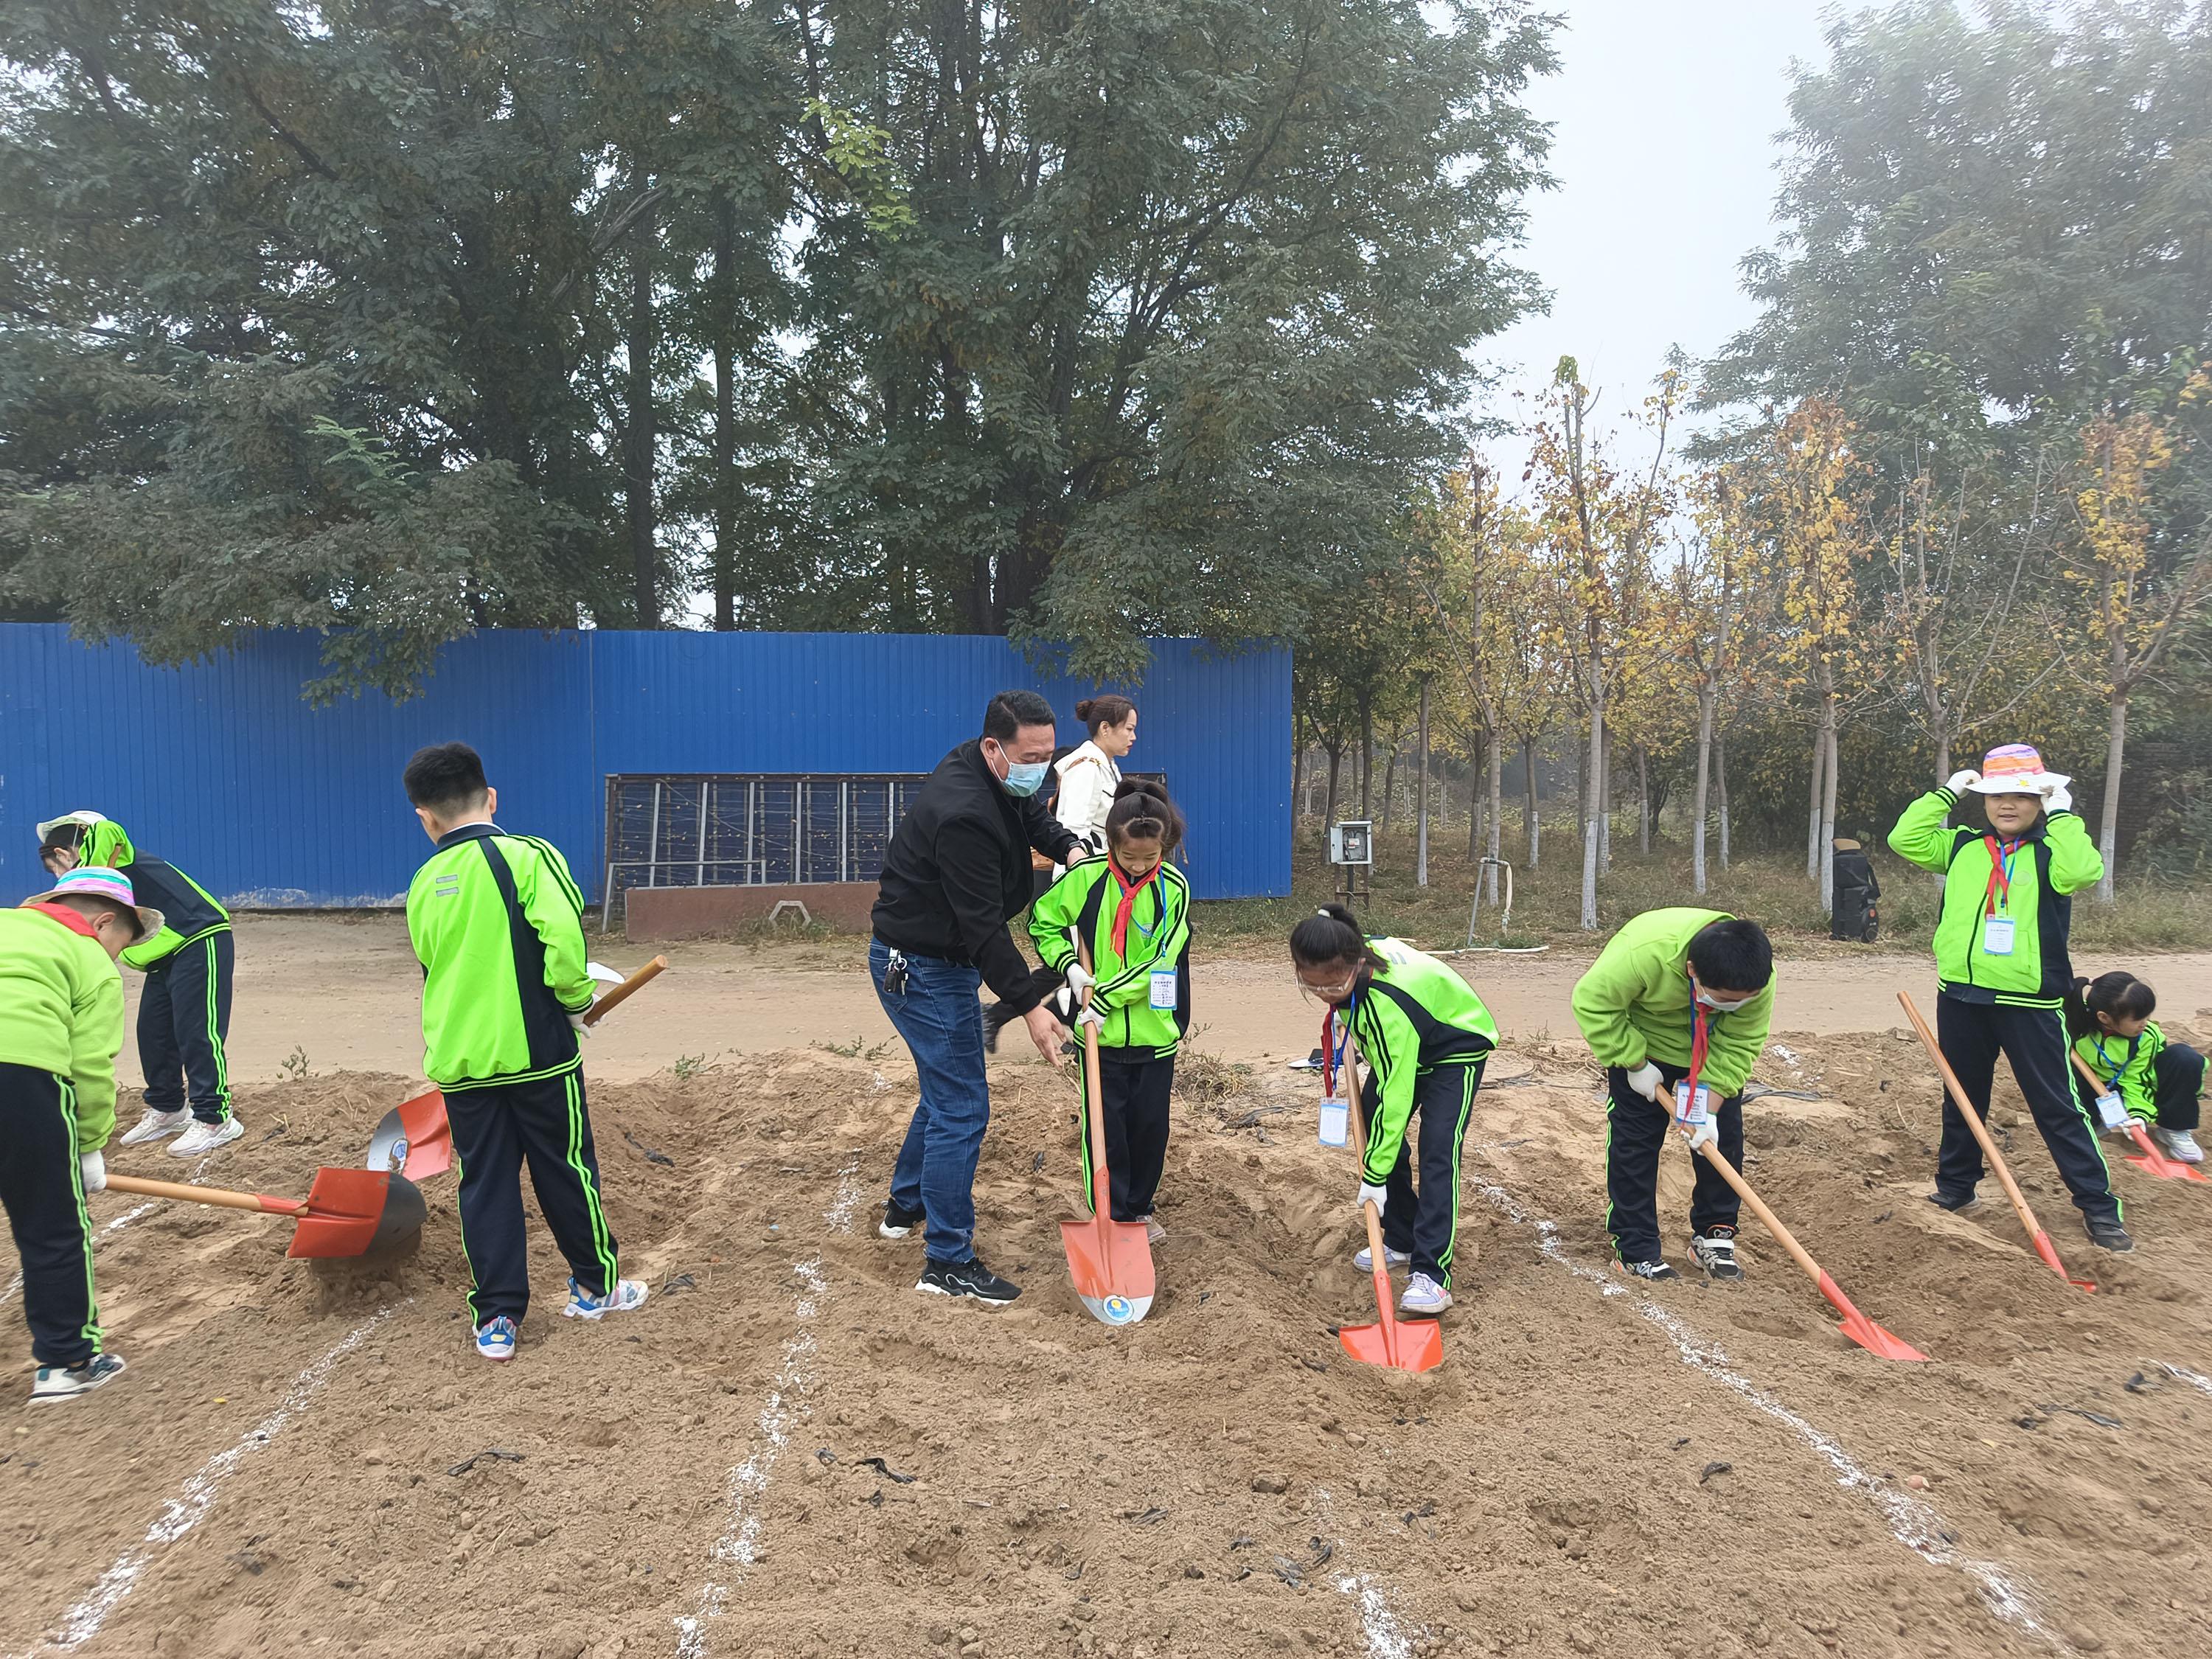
(1697, 1104)
(1335, 1123)
(2112, 1112)
(1997, 936)
(1164, 988)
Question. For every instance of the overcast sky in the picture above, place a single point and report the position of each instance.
(1663, 117)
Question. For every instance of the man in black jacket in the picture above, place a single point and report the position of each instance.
(957, 873)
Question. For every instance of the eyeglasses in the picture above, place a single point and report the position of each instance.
(1336, 992)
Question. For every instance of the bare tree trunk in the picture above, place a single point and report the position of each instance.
(2108, 815)
(1336, 765)
(1605, 806)
(1812, 808)
(1720, 786)
(1496, 795)
(1485, 742)
(1532, 825)
(1421, 795)
(726, 414)
(639, 443)
(1942, 757)
(1643, 798)
(1706, 700)
(1828, 813)
(1596, 790)
(1366, 757)
(1389, 784)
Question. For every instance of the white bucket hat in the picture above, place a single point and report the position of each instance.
(2015, 768)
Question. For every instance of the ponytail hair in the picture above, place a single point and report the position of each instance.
(2121, 995)
(1331, 934)
(1142, 812)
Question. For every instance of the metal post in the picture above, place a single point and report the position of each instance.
(653, 840)
(752, 811)
(701, 880)
(844, 829)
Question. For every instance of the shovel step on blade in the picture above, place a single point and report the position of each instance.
(1111, 1266)
(1420, 1344)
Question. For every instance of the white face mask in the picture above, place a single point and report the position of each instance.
(1721, 1007)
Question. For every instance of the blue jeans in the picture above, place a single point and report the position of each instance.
(942, 1021)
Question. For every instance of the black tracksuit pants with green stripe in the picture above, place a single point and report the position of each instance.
(1134, 1095)
(1971, 1034)
(497, 1129)
(1422, 1221)
(183, 1019)
(43, 1192)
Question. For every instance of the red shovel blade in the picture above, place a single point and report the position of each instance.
(1862, 1330)
(2157, 1163)
(2048, 1252)
(1408, 1345)
(1111, 1263)
(414, 1137)
(351, 1211)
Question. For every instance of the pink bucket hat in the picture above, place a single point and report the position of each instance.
(2015, 768)
(97, 881)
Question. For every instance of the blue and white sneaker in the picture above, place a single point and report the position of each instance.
(495, 1338)
(582, 1304)
(67, 1382)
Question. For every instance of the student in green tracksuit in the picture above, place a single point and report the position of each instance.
(1426, 1037)
(497, 923)
(61, 1023)
(2161, 1084)
(2002, 968)
(184, 1016)
(1679, 999)
(1133, 907)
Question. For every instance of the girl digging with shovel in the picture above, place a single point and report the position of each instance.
(2159, 1083)
(1425, 1036)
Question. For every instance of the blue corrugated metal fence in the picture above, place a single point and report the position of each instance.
(222, 769)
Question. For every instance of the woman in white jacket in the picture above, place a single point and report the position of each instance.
(1090, 773)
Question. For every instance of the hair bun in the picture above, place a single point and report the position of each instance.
(1083, 709)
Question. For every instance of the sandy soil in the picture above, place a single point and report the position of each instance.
(1690, 1469)
(340, 994)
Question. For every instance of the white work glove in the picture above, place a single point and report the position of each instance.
(1372, 1194)
(1092, 1016)
(2057, 797)
(94, 1167)
(1645, 1080)
(1703, 1134)
(1962, 781)
(576, 1020)
(1079, 979)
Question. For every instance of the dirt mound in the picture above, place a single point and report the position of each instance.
(787, 1451)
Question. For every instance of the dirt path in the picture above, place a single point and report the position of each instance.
(1597, 1469)
(342, 993)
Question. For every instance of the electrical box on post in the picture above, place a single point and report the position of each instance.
(1351, 842)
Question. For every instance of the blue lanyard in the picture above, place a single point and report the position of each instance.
(2134, 1043)
(1337, 1035)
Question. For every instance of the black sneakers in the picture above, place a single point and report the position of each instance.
(2109, 1236)
(1716, 1253)
(1649, 1270)
(1952, 1201)
(969, 1278)
(996, 1018)
(897, 1223)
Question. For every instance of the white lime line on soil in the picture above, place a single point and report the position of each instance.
(1385, 1635)
(2183, 1374)
(1913, 1523)
(125, 1219)
(738, 1546)
(196, 1496)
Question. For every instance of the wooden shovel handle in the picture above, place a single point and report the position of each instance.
(1375, 1254)
(1094, 1089)
(1752, 1200)
(2090, 1077)
(622, 992)
(1973, 1118)
(217, 1196)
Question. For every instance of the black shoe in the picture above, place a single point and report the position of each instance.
(996, 1018)
(1649, 1270)
(2110, 1236)
(969, 1279)
(898, 1223)
(1952, 1201)
(1716, 1253)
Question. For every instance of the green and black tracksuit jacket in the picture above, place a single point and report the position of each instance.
(497, 923)
(2029, 882)
(2157, 1082)
(1412, 1016)
(1084, 903)
(189, 912)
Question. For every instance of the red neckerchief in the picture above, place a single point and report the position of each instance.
(67, 917)
(2000, 876)
(1128, 903)
(1700, 1017)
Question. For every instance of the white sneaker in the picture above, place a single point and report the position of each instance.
(1366, 1259)
(206, 1137)
(1423, 1296)
(2180, 1144)
(628, 1293)
(155, 1124)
